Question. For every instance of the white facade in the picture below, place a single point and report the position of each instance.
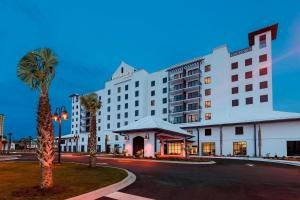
(224, 97)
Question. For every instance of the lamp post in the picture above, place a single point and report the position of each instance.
(9, 140)
(60, 113)
(76, 138)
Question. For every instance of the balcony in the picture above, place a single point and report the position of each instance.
(241, 51)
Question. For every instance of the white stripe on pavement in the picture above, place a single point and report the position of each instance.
(124, 196)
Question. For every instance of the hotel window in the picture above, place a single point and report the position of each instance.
(152, 102)
(108, 126)
(249, 100)
(207, 104)
(263, 98)
(248, 87)
(193, 95)
(164, 100)
(108, 100)
(136, 103)
(165, 79)
(136, 113)
(262, 41)
(153, 93)
(99, 113)
(164, 90)
(235, 102)
(126, 106)
(193, 71)
(118, 116)
(119, 89)
(208, 148)
(165, 110)
(263, 85)
(239, 148)
(108, 92)
(119, 98)
(193, 83)
(248, 62)
(152, 112)
(108, 117)
(126, 115)
(239, 130)
(207, 116)
(136, 93)
(125, 123)
(108, 109)
(234, 78)
(207, 68)
(99, 128)
(263, 71)
(119, 107)
(177, 76)
(234, 90)
(137, 84)
(118, 125)
(207, 92)
(207, 132)
(174, 148)
(263, 58)
(126, 87)
(99, 120)
(192, 118)
(126, 96)
(248, 75)
(234, 65)
(98, 139)
(165, 119)
(207, 80)
(116, 137)
(193, 106)
(152, 83)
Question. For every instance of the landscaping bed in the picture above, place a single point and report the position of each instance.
(20, 180)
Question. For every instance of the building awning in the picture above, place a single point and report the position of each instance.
(150, 123)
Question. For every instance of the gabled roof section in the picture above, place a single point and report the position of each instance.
(152, 123)
(273, 28)
(122, 70)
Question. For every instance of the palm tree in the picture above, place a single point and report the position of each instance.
(91, 104)
(37, 69)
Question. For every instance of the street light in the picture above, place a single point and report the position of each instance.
(76, 138)
(60, 113)
(9, 146)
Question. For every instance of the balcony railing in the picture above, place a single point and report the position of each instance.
(241, 51)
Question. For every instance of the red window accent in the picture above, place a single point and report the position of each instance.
(248, 62)
(248, 87)
(248, 74)
(234, 65)
(263, 98)
(263, 71)
(249, 100)
(234, 78)
(234, 90)
(262, 38)
(207, 92)
(263, 58)
(235, 102)
(263, 85)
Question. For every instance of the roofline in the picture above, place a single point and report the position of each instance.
(273, 28)
(245, 123)
(74, 95)
(183, 64)
(150, 129)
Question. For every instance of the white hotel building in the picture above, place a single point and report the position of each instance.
(223, 99)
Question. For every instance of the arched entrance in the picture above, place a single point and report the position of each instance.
(138, 144)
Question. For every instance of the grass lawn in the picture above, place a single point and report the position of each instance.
(21, 180)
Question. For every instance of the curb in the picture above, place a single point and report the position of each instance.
(108, 189)
(161, 161)
(8, 159)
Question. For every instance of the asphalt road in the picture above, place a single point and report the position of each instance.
(227, 179)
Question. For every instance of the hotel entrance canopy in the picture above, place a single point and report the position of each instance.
(144, 133)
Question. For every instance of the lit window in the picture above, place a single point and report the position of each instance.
(240, 148)
(207, 80)
(248, 74)
(207, 92)
(263, 71)
(207, 104)
(207, 68)
(207, 116)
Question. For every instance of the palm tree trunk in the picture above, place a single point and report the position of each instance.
(45, 151)
(92, 142)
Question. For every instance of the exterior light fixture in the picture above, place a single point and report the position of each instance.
(126, 137)
(147, 136)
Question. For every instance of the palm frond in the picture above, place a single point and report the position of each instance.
(91, 103)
